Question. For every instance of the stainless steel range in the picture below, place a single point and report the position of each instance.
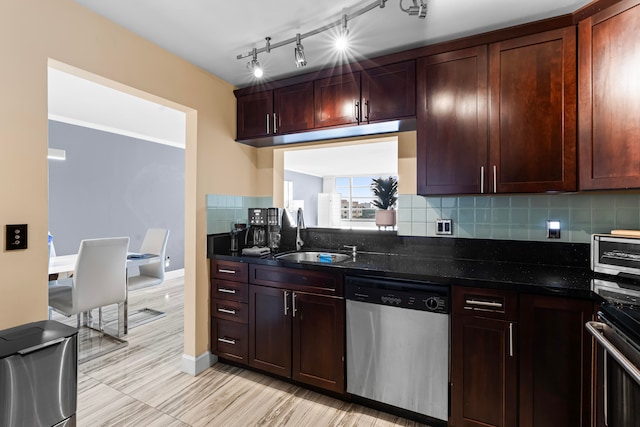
(616, 389)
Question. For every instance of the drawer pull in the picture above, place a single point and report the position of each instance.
(227, 341)
(227, 291)
(226, 310)
(224, 270)
(483, 303)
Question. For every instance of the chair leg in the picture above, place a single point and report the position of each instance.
(78, 320)
(100, 319)
(121, 318)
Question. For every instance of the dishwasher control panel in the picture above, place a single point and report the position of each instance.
(396, 293)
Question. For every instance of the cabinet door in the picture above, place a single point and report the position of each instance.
(389, 92)
(452, 122)
(483, 372)
(555, 361)
(337, 100)
(293, 106)
(270, 330)
(532, 129)
(609, 98)
(318, 341)
(255, 115)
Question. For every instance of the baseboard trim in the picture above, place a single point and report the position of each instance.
(195, 365)
(174, 274)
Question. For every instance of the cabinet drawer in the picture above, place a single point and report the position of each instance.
(230, 291)
(229, 310)
(318, 282)
(229, 270)
(229, 340)
(490, 303)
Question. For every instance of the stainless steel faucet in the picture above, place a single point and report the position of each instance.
(299, 225)
(353, 248)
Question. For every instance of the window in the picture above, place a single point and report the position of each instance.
(356, 198)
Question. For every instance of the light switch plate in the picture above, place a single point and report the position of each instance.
(15, 237)
(444, 226)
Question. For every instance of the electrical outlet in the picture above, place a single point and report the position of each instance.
(15, 237)
(444, 226)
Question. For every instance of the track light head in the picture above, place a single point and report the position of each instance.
(254, 65)
(298, 51)
(419, 10)
(342, 42)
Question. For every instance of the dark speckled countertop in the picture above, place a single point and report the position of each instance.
(528, 278)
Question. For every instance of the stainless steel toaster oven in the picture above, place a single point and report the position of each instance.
(615, 254)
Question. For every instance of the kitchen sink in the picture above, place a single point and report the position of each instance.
(314, 256)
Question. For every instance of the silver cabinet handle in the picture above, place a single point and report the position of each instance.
(596, 329)
(366, 104)
(358, 111)
(227, 311)
(605, 403)
(481, 179)
(268, 132)
(227, 291)
(227, 341)
(483, 303)
(293, 300)
(495, 179)
(223, 270)
(286, 303)
(275, 124)
(511, 339)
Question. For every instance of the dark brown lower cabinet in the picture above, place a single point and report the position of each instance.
(484, 372)
(297, 335)
(318, 341)
(555, 361)
(531, 372)
(270, 330)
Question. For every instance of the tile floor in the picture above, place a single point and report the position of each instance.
(142, 384)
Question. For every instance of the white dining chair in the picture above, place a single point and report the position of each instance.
(155, 242)
(99, 280)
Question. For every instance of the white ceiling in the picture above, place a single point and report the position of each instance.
(366, 158)
(211, 33)
(84, 103)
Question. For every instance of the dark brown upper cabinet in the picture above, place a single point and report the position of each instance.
(609, 91)
(502, 122)
(337, 100)
(389, 92)
(452, 122)
(273, 112)
(532, 113)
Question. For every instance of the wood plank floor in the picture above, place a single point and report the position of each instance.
(142, 384)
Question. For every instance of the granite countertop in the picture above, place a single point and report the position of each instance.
(528, 278)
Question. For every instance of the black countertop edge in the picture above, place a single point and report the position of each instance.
(574, 282)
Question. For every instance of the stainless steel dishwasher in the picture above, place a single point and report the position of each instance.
(398, 343)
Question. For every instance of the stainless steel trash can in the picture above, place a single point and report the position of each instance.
(38, 375)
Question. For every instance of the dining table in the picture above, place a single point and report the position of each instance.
(66, 264)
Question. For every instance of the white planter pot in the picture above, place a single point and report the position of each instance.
(385, 218)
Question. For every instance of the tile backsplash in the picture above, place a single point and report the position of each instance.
(224, 210)
(520, 217)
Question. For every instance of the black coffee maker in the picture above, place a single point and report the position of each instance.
(257, 232)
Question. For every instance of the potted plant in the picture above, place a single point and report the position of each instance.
(386, 192)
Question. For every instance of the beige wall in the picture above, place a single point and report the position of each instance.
(31, 33)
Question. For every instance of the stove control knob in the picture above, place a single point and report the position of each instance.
(431, 303)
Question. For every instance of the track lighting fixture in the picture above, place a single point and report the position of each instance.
(254, 65)
(301, 61)
(342, 42)
(418, 9)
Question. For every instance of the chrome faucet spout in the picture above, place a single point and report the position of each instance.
(299, 225)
